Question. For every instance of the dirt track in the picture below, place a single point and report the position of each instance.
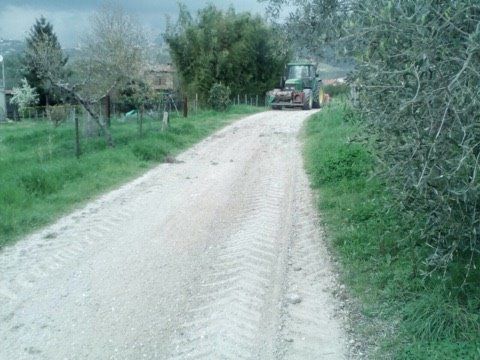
(205, 258)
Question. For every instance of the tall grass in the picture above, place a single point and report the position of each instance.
(40, 178)
(379, 257)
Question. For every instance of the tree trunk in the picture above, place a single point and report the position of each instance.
(107, 109)
(87, 106)
(106, 131)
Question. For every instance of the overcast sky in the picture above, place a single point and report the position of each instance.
(70, 18)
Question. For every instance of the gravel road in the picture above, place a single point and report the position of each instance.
(217, 256)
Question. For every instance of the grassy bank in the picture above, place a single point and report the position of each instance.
(40, 178)
(407, 315)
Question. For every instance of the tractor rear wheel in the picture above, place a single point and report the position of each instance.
(317, 100)
(308, 105)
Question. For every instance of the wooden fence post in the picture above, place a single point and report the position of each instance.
(77, 134)
(185, 106)
(165, 121)
(140, 118)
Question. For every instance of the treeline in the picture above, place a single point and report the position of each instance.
(237, 50)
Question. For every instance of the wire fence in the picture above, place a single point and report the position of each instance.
(169, 102)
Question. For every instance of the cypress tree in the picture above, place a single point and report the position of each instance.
(42, 35)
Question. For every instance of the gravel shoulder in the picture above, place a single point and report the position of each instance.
(217, 256)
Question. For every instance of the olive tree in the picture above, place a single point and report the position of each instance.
(419, 84)
(417, 78)
(313, 28)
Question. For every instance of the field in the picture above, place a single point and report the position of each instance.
(40, 177)
(404, 315)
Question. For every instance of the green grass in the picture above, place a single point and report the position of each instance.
(40, 178)
(406, 315)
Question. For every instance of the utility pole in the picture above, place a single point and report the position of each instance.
(3, 71)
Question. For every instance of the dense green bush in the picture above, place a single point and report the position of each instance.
(219, 97)
(348, 161)
(239, 50)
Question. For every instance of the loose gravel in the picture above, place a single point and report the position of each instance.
(217, 255)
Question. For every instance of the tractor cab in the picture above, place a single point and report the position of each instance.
(299, 76)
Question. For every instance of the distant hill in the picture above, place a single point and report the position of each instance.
(8, 47)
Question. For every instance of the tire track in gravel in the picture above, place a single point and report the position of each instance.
(51, 254)
(229, 309)
(193, 260)
(310, 329)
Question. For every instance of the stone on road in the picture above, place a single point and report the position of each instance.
(197, 258)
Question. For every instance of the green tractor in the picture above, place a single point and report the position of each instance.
(300, 88)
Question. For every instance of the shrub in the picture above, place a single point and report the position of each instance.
(219, 98)
(24, 96)
(57, 114)
(184, 129)
(349, 161)
(240, 50)
(40, 182)
(336, 90)
(149, 151)
(433, 316)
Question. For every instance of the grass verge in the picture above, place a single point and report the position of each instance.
(40, 178)
(407, 316)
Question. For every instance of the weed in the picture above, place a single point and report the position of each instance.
(150, 151)
(40, 182)
(435, 316)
